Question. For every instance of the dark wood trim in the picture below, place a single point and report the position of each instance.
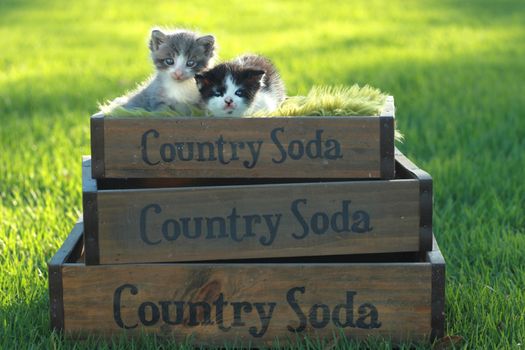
(89, 202)
(386, 147)
(386, 139)
(425, 199)
(56, 304)
(425, 212)
(91, 228)
(97, 145)
(438, 293)
(54, 267)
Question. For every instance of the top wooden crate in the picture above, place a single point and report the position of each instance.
(274, 147)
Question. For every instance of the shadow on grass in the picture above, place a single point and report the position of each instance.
(24, 320)
(481, 12)
(13, 7)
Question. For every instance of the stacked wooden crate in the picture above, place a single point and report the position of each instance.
(248, 230)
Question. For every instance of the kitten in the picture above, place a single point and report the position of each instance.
(177, 57)
(240, 87)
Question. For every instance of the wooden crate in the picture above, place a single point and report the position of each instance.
(395, 296)
(206, 221)
(314, 147)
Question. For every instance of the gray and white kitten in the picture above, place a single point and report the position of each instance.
(243, 86)
(177, 57)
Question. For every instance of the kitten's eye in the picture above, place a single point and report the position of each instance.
(240, 92)
(217, 94)
(169, 61)
(191, 63)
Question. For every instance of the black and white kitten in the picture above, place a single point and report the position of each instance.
(240, 87)
(177, 57)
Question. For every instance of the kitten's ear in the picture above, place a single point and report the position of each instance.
(207, 41)
(157, 38)
(201, 80)
(254, 75)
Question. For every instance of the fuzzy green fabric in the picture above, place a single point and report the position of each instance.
(334, 101)
(320, 101)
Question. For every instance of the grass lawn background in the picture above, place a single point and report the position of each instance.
(456, 70)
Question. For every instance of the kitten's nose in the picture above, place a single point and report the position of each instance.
(177, 74)
(228, 100)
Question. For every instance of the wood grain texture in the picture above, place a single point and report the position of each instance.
(277, 147)
(393, 300)
(253, 221)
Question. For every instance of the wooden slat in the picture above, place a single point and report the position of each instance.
(400, 295)
(260, 221)
(243, 147)
(397, 300)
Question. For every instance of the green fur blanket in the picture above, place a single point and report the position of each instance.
(320, 101)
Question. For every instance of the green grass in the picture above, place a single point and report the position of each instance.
(456, 70)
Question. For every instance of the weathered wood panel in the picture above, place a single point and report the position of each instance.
(319, 147)
(256, 303)
(254, 221)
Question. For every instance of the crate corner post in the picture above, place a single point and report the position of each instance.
(97, 146)
(386, 139)
(90, 215)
